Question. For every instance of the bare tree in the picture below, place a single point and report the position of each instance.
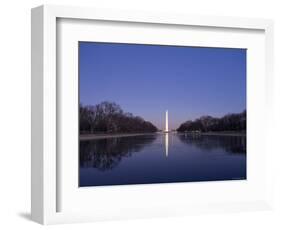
(108, 117)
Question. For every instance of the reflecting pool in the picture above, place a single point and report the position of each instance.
(161, 158)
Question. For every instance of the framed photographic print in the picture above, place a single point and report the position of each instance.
(201, 136)
(139, 114)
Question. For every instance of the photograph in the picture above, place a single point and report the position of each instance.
(154, 113)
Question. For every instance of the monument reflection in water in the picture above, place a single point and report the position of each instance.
(161, 158)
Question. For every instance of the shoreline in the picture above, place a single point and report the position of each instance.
(85, 137)
(234, 134)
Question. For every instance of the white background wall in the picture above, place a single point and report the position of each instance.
(15, 113)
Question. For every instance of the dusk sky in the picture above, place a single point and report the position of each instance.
(147, 80)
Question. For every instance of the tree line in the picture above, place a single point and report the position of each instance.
(229, 122)
(108, 117)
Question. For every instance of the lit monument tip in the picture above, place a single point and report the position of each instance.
(167, 125)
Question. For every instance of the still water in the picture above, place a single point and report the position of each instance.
(161, 158)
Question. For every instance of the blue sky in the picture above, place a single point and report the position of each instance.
(148, 79)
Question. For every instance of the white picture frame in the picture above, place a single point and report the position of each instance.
(47, 175)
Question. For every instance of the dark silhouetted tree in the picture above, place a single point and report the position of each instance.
(229, 122)
(108, 117)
